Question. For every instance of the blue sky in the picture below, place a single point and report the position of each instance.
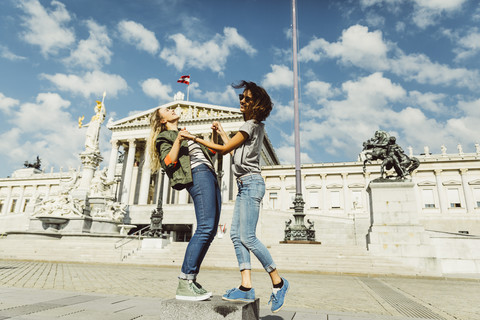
(410, 67)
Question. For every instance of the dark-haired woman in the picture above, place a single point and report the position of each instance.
(255, 104)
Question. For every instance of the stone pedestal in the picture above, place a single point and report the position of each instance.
(213, 309)
(155, 243)
(63, 225)
(395, 230)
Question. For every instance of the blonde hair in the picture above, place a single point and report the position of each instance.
(156, 126)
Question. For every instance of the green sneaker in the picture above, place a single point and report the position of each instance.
(200, 289)
(187, 290)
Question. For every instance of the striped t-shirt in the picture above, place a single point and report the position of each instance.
(196, 155)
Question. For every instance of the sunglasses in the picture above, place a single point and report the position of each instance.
(241, 96)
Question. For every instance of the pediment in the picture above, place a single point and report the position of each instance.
(189, 111)
(273, 187)
(334, 186)
(356, 185)
(426, 183)
(452, 183)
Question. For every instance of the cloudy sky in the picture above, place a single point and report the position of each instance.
(410, 67)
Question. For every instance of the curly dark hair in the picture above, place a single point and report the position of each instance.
(262, 102)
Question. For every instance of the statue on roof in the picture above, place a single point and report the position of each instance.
(37, 164)
(385, 148)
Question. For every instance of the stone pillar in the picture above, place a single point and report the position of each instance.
(226, 181)
(19, 208)
(467, 191)
(145, 179)
(90, 163)
(346, 202)
(441, 191)
(6, 206)
(395, 230)
(324, 192)
(112, 164)
(128, 171)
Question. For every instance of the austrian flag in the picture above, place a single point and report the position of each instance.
(184, 79)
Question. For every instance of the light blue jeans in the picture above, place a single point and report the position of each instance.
(251, 189)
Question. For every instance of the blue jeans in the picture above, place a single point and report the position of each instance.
(207, 202)
(251, 190)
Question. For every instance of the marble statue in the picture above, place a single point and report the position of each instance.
(93, 131)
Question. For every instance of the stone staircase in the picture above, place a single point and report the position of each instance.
(345, 259)
(288, 257)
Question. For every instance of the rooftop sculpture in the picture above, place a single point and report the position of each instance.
(384, 147)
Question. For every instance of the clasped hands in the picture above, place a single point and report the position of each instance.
(185, 135)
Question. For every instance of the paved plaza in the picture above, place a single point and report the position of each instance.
(46, 290)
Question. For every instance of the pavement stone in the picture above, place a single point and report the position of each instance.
(58, 290)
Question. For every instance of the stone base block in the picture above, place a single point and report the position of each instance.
(154, 243)
(212, 309)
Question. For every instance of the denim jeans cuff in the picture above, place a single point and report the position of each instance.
(271, 267)
(187, 276)
(245, 266)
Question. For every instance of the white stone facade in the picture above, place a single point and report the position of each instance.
(447, 186)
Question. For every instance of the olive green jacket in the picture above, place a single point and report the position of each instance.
(179, 172)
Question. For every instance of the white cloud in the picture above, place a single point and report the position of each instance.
(341, 124)
(357, 46)
(211, 54)
(156, 89)
(320, 91)
(91, 83)
(281, 76)
(428, 101)
(43, 128)
(46, 28)
(427, 12)
(226, 97)
(136, 34)
(7, 103)
(282, 113)
(93, 52)
(418, 67)
(286, 155)
(7, 54)
(469, 45)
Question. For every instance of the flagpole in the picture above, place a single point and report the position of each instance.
(188, 86)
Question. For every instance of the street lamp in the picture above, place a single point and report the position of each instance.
(156, 218)
(298, 231)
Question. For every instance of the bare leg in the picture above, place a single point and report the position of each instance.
(246, 278)
(275, 277)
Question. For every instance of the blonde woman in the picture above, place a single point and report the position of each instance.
(188, 166)
(255, 104)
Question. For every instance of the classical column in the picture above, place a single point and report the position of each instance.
(6, 206)
(324, 192)
(346, 202)
(467, 191)
(19, 208)
(128, 171)
(145, 179)
(441, 191)
(226, 180)
(112, 164)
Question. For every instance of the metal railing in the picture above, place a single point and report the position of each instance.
(137, 235)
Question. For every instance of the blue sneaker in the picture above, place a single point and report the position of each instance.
(236, 294)
(278, 299)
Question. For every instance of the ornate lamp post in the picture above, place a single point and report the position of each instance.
(297, 232)
(156, 228)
